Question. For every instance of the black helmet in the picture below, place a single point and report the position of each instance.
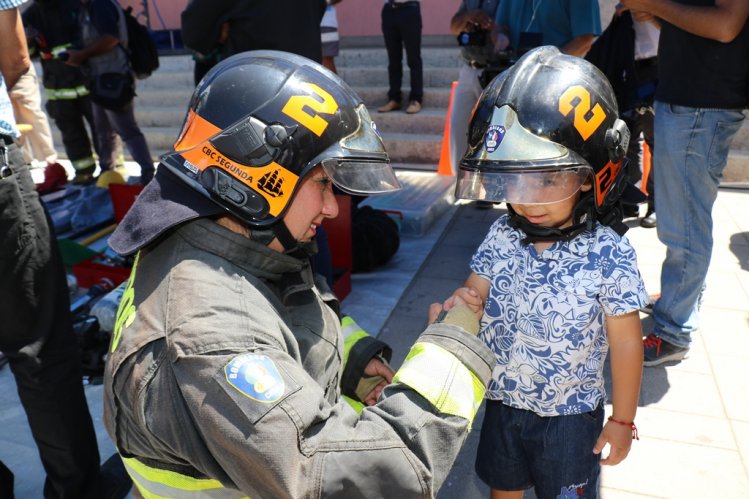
(551, 119)
(259, 121)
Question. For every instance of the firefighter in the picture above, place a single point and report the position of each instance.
(51, 29)
(229, 361)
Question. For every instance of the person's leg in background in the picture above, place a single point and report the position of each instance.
(646, 120)
(27, 107)
(124, 124)
(39, 341)
(410, 25)
(692, 152)
(394, 47)
(105, 136)
(67, 115)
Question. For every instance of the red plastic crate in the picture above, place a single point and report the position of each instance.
(89, 271)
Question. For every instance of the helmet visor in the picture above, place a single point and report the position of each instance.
(361, 165)
(522, 187)
(514, 165)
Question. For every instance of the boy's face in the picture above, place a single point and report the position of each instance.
(553, 215)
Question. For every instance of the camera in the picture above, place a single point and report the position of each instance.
(476, 37)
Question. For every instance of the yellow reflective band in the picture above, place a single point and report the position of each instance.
(81, 164)
(351, 334)
(355, 404)
(154, 483)
(66, 93)
(57, 49)
(438, 376)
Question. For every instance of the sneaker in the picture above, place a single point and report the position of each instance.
(648, 308)
(658, 351)
(413, 107)
(392, 105)
(649, 221)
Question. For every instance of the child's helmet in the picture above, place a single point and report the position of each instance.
(259, 121)
(548, 121)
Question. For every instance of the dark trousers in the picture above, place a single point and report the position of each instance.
(401, 27)
(37, 337)
(640, 120)
(109, 124)
(71, 116)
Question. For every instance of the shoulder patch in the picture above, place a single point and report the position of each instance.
(255, 376)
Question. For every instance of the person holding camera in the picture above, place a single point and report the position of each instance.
(569, 25)
(473, 25)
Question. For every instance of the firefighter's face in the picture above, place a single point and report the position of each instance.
(313, 203)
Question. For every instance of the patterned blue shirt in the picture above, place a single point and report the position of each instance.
(7, 120)
(545, 315)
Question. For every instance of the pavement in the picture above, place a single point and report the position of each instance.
(693, 417)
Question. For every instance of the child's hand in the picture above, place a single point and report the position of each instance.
(619, 438)
(466, 296)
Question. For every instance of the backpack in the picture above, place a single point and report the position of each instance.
(141, 49)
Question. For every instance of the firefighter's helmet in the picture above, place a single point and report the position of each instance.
(259, 121)
(543, 128)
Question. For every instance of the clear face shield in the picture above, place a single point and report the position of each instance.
(361, 166)
(516, 166)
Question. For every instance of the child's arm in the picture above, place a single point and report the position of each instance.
(625, 346)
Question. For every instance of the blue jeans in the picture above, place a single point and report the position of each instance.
(691, 153)
(519, 449)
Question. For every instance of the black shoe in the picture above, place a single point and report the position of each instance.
(649, 221)
(115, 483)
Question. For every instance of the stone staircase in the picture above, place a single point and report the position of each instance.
(413, 141)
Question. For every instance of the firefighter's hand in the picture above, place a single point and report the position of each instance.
(619, 438)
(75, 58)
(379, 374)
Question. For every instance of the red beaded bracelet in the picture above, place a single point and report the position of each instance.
(631, 425)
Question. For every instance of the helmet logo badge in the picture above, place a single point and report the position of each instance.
(494, 136)
(587, 119)
(271, 183)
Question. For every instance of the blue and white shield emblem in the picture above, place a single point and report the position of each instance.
(493, 137)
(255, 376)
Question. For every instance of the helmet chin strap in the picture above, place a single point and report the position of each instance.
(582, 217)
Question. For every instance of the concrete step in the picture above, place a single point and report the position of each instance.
(375, 96)
(430, 120)
(447, 57)
(367, 76)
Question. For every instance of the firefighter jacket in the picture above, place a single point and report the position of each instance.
(52, 29)
(223, 380)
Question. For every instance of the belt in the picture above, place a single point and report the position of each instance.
(397, 5)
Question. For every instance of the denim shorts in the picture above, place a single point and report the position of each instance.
(519, 449)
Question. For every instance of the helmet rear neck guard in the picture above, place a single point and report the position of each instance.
(549, 112)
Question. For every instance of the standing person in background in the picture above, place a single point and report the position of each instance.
(473, 16)
(704, 42)
(570, 25)
(37, 336)
(287, 25)
(37, 143)
(401, 28)
(329, 36)
(51, 30)
(104, 39)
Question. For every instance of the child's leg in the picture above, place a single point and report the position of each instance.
(501, 460)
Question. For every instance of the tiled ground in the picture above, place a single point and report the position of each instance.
(694, 416)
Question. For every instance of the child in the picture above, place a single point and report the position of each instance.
(554, 282)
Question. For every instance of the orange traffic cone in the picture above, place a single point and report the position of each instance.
(444, 167)
(646, 159)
